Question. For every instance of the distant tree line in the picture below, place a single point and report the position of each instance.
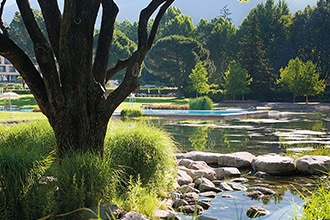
(263, 45)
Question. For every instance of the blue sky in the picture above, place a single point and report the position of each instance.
(197, 9)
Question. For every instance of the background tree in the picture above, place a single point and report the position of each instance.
(122, 47)
(70, 89)
(174, 57)
(20, 35)
(199, 80)
(310, 34)
(252, 56)
(302, 79)
(218, 37)
(237, 80)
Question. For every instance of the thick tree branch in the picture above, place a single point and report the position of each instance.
(134, 63)
(109, 14)
(120, 65)
(3, 28)
(157, 20)
(26, 68)
(143, 24)
(43, 52)
(52, 17)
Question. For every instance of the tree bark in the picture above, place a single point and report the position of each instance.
(70, 84)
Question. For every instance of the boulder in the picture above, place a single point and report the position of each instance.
(183, 178)
(313, 164)
(238, 160)
(191, 209)
(205, 185)
(256, 211)
(133, 216)
(263, 190)
(166, 214)
(208, 157)
(223, 172)
(208, 194)
(274, 164)
(187, 188)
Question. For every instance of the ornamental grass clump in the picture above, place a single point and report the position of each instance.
(25, 159)
(142, 152)
(84, 179)
(201, 103)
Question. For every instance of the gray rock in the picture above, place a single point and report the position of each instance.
(238, 159)
(240, 180)
(183, 178)
(206, 204)
(133, 216)
(191, 196)
(209, 158)
(256, 211)
(190, 209)
(166, 214)
(225, 186)
(205, 185)
(263, 190)
(261, 174)
(209, 194)
(254, 194)
(313, 164)
(223, 172)
(179, 202)
(274, 164)
(187, 188)
(237, 186)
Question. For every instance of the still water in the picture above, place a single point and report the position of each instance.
(278, 133)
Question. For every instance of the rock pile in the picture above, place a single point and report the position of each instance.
(204, 174)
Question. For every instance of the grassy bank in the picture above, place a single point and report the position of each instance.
(30, 171)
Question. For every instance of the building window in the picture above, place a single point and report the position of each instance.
(7, 61)
(12, 69)
(1, 60)
(2, 69)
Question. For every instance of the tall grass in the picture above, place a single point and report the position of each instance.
(35, 184)
(317, 204)
(83, 181)
(142, 151)
(25, 157)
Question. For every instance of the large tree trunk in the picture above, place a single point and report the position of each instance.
(70, 84)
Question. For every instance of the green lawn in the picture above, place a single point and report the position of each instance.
(28, 100)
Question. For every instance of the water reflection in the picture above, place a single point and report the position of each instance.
(257, 136)
(278, 133)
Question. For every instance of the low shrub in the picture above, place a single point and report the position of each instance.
(143, 152)
(131, 113)
(201, 103)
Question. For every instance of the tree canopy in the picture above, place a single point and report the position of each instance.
(302, 79)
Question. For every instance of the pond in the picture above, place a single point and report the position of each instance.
(278, 133)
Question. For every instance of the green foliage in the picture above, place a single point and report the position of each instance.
(131, 112)
(25, 157)
(302, 79)
(142, 152)
(199, 79)
(173, 57)
(317, 203)
(139, 198)
(84, 180)
(237, 80)
(201, 103)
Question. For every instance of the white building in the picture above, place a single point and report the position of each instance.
(8, 73)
